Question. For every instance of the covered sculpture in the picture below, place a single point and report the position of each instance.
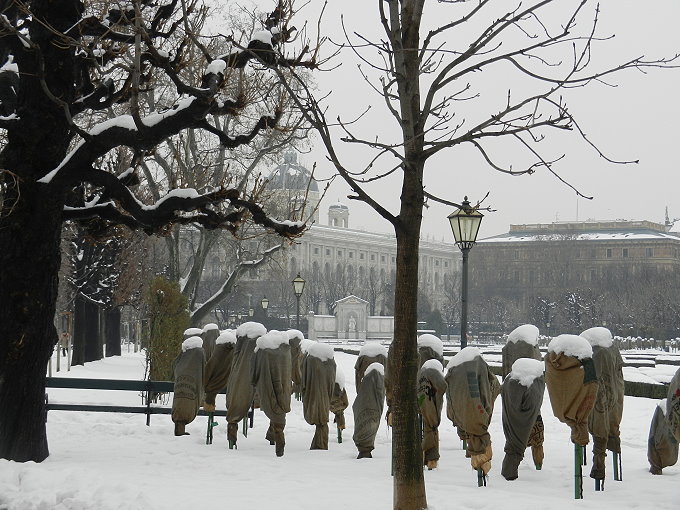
(370, 352)
(431, 390)
(218, 368)
(471, 391)
(188, 370)
(271, 377)
(209, 335)
(605, 418)
(240, 391)
(662, 447)
(339, 402)
(318, 381)
(430, 347)
(367, 408)
(522, 397)
(522, 342)
(295, 337)
(189, 332)
(673, 405)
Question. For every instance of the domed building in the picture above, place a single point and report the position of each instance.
(296, 189)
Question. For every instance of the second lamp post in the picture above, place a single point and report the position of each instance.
(465, 223)
(298, 287)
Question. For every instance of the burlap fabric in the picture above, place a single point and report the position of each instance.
(295, 361)
(362, 364)
(521, 408)
(318, 382)
(187, 395)
(673, 405)
(339, 402)
(662, 447)
(572, 387)
(209, 336)
(425, 352)
(240, 391)
(605, 418)
(471, 391)
(431, 390)
(217, 371)
(512, 351)
(367, 408)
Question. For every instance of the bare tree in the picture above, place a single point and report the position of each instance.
(426, 84)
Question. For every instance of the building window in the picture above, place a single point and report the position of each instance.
(624, 253)
(393, 259)
(372, 257)
(339, 253)
(361, 256)
(436, 262)
(328, 252)
(592, 253)
(593, 275)
(351, 254)
(382, 258)
(446, 263)
(609, 253)
(649, 252)
(316, 251)
(515, 254)
(516, 276)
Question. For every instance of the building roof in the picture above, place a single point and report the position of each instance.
(290, 175)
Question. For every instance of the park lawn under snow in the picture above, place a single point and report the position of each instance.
(104, 461)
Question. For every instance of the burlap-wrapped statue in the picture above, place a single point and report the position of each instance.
(522, 397)
(431, 390)
(471, 391)
(318, 381)
(605, 418)
(294, 339)
(367, 408)
(430, 347)
(218, 368)
(673, 405)
(188, 370)
(240, 391)
(572, 383)
(522, 342)
(662, 447)
(271, 377)
(370, 352)
(339, 401)
(209, 335)
(188, 333)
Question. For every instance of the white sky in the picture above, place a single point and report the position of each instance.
(636, 120)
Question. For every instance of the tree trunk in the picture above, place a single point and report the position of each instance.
(78, 345)
(87, 341)
(113, 332)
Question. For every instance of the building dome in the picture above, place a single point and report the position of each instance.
(290, 175)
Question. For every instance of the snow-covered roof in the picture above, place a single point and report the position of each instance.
(598, 336)
(526, 370)
(322, 351)
(271, 340)
(193, 342)
(371, 349)
(571, 345)
(433, 363)
(466, 354)
(226, 337)
(428, 340)
(251, 330)
(527, 333)
(377, 367)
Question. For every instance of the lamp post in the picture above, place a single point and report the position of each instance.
(265, 304)
(465, 223)
(298, 287)
(251, 311)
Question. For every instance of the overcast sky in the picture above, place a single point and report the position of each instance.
(639, 119)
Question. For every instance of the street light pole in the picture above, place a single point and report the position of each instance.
(298, 287)
(465, 223)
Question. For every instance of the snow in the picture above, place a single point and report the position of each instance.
(371, 349)
(305, 344)
(527, 333)
(526, 371)
(217, 66)
(226, 337)
(339, 376)
(10, 65)
(295, 333)
(251, 329)
(322, 351)
(467, 354)
(271, 340)
(378, 367)
(264, 36)
(193, 331)
(193, 342)
(209, 326)
(571, 345)
(662, 405)
(433, 363)
(113, 461)
(431, 341)
(598, 336)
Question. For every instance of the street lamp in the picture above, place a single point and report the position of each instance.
(251, 311)
(465, 223)
(265, 304)
(298, 287)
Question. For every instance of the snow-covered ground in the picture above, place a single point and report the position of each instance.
(102, 461)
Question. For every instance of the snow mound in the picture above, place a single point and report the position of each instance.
(431, 341)
(251, 330)
(305, 344)
(322, 351)
(340, 377)
(193, 331)
(294, 333)
(571, 345)
(527, 333)
(193, 342)
(271, 340)
(598, 336)
(662, 405)
(375, 366)
(209, 326)
(433, 363)
(526, 370)
(227, 337)
(467, 354)
(372, 349)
